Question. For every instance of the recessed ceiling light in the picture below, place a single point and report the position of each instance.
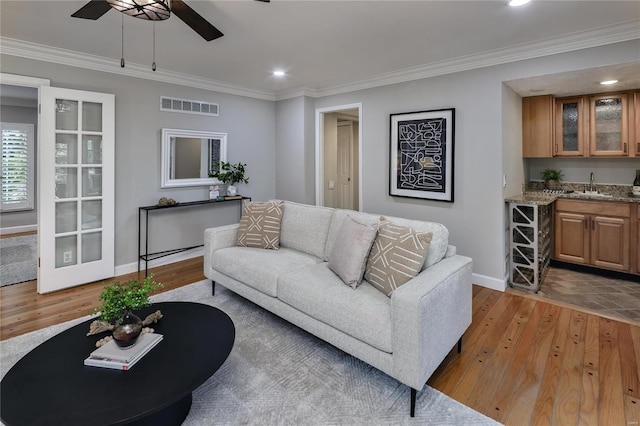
(518, 2)
(608, 82)
(279, 73)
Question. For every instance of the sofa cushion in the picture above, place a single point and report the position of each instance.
(439, 240)
(363, 313)
(351, 249)
(259, 268)
(260, 224)
(305, 227)
(397, 256)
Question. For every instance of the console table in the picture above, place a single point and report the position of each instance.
(147, 257)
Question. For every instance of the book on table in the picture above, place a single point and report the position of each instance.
(110, 355)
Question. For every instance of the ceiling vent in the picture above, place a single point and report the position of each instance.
(189, 107)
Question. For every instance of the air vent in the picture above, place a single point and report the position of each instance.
(189, 107)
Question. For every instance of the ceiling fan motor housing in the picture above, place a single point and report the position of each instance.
(152, 10)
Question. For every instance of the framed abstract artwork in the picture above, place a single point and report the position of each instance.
(421, 156)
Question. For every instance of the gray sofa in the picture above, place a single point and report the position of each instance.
(406, 335)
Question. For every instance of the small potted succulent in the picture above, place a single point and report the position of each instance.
(552, 178)
(119, 300)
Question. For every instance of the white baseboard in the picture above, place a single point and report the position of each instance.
(18, 229)
(489, 282)
(133, 267)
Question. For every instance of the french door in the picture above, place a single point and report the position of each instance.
(76, 155)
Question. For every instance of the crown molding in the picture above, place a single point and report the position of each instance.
(576, 41)
(71, 58)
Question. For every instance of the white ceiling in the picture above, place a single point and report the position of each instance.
(325, 45)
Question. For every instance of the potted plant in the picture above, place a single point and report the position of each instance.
(229, 174)
(118, 300)
(552, 178)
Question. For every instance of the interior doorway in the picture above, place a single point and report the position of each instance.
(338, 156)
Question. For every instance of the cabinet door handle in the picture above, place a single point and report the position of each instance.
(586, 223)
(625, 147)
(593, 224)
(638, 148)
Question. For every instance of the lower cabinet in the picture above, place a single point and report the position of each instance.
(593, 233)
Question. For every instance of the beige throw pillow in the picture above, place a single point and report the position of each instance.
(350, 250)
(260, 224)
(397, 255)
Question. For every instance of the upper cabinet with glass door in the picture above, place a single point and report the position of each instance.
(609, 125)
(570, 127)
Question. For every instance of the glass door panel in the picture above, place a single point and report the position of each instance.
(569, 127)
(91, 181)
(609, 125)
(91, 214)
(66, 181)
(66, 217)
(66, 114)
(92, 149)
(66, 148)
(91, 247)
(91, 117)
(66, 251)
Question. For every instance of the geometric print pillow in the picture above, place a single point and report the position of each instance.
(260, 224)
(397, 255)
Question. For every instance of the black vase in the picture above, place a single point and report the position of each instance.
(127, 329)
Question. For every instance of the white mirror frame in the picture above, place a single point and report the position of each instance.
(167, 134)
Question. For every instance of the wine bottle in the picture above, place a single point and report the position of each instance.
(636, 183)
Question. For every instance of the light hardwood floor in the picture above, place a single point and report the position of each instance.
(525, 361)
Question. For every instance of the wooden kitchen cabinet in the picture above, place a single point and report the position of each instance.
(635, 143)
(537, 126)
(636, 244)
(570, 127)
(593, 233)
(609, 125)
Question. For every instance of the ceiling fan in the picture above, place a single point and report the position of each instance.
(153, 10)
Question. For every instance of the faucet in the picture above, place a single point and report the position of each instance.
(591, 182)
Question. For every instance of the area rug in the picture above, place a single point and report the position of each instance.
(278, 374)
(18, 259)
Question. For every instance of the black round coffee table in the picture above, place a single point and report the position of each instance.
(51, 385)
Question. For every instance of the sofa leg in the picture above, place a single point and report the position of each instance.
(414, 394)
(213, 288)
(460, 345)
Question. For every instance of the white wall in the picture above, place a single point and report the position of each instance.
(250, 124)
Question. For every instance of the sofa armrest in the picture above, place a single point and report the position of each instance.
(429, 314)
(217, 238)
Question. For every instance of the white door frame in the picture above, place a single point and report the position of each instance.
(320, 112)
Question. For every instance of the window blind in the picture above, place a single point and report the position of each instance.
(17, 166)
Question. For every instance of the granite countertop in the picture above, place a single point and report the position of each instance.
(543, 199)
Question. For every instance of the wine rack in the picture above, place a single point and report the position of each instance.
(530, 244)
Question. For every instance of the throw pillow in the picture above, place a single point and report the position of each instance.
(260, 224)
(350, 251)
(397, 256)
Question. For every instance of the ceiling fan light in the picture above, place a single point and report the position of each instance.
(152, 10)
(516, 3)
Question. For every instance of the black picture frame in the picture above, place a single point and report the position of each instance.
(421, 157)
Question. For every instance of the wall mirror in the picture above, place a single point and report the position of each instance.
(189, 155)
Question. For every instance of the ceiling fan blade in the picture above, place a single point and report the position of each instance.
(195, 21)
(264, 1)
(93, 10)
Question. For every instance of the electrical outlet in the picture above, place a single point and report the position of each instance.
(67, 257)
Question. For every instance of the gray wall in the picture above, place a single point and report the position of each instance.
(487, 145)
(250, 124)
(279, 143)
(21, 114)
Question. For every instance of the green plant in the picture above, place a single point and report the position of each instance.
(117, 297)
(551, 174)
(229, 173)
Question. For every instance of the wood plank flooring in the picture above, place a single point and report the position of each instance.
(524, 361)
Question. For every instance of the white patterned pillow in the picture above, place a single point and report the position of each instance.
(397, 256)
(350, 251)
(260, 225)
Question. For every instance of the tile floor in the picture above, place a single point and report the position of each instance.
(611, 296)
